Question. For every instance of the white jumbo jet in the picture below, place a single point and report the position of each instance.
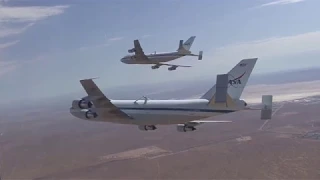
(158, 59)
(222, 98)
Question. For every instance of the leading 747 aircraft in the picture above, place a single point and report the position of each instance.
(158, 59)
(222, 98)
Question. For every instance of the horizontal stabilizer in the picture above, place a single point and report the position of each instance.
(266, 111)
(180, 44)
(222, 99)
(221, 89)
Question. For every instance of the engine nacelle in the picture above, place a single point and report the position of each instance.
(155, 67)
(83, 114)
(147, 127)
(82, 104)
(90, 115)
(185, 128)
(131, 50)
(172, 68)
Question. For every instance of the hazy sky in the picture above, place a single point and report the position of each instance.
(46, 46)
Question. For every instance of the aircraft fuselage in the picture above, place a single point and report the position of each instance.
(161, 112)
(152, 58)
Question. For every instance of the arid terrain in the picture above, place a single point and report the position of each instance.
(43, 146)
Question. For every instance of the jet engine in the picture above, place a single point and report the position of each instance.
(155, 67)
(131, 50)
(90, 115)
(185, 128)
(147, 127)
(172, 68)
(84, 114)
(82, 104)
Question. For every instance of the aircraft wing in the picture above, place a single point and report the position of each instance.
(211, 121)
(139, 51)
(198, 122)
(99, 100)
(174, 65)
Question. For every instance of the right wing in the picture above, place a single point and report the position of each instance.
(209, 121)
(100, 101)
(139, 51)
(173, 65)
(198, 122)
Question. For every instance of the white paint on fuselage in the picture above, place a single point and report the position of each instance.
(164, 112)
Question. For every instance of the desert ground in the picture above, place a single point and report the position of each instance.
(43, 146)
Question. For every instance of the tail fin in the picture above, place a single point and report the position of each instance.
(237, 77)
(186, 45)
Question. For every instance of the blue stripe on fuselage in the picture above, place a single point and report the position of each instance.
(179, 109)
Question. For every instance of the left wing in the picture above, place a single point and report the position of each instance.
(99, 100)
(139, 51)
(198, 122)
(211, 121)
(172, 65)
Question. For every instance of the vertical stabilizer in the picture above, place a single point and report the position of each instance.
(237, 79)
(185, 47)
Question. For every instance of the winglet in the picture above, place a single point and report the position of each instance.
(266, 111)
(90, 78)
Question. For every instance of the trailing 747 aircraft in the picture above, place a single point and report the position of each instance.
(222, 98)
(158, 60)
